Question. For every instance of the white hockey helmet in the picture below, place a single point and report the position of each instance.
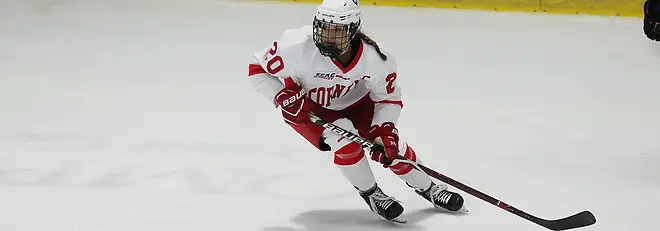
(335, 24)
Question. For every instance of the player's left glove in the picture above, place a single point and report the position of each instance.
(387, 136)
(652, 19)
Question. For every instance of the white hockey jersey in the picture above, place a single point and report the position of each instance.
(294, 56)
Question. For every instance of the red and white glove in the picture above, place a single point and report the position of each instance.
(387, 136)
(295, 105)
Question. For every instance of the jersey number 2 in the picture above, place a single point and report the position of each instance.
(390, 82)
(275, 64)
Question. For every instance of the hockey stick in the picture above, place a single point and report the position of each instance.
(581, 219)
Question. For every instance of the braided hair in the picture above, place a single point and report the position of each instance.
(371, 42)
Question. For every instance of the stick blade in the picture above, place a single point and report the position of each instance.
(581, 219)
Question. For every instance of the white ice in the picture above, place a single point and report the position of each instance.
(137, 115)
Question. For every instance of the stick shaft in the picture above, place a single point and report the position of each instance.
(578, 220)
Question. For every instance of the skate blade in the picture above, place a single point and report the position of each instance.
(464, 209)
(398, 220)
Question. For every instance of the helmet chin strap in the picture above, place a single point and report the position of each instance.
(342, 52)
(345, 50)
(349, 44)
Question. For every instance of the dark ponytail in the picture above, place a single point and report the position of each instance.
(371, 42)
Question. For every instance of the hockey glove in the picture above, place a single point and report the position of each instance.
(295, 105)
(652, 19)
(387, 136)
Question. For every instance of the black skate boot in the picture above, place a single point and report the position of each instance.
(442, 198)
(383, 205)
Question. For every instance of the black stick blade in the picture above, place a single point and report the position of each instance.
(582, 219)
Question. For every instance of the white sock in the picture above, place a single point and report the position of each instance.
(359, 174)
(417, 179)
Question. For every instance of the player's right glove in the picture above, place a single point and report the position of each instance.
(295, 105)
(387, 136)
(652, 19)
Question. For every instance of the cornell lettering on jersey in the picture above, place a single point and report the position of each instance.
(324, 95)
(351, 82)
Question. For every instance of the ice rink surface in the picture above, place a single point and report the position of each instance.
(137, 115)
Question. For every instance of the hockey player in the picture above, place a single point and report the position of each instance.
(652, 19)
(335, 71)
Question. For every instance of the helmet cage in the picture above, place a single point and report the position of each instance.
(324, 31)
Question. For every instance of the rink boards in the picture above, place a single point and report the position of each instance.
(627, 8)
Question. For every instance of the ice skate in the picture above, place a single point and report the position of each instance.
(383, 205)
(442, 198)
